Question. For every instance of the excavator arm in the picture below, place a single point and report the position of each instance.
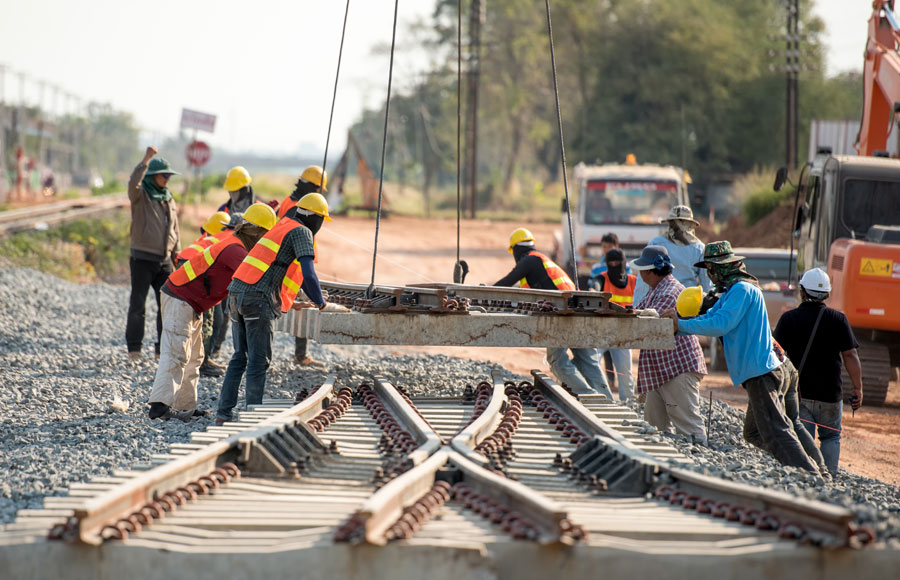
(881, 88)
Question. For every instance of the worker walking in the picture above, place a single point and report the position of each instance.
(312, 180)
(621, 285)
(193, 289)
(263, 288)
(154, 243)
(670, 379)
(535, 270)
(685, 250)
(817, 339)
(739, 317)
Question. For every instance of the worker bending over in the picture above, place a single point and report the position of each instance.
(195, 287)
(263, 288)
(535, 270)
(739, 317)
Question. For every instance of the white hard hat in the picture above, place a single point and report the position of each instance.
(815, 282)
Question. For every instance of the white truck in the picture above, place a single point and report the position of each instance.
(625, 199)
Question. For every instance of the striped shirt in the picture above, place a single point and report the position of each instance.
(296, 244)
(658, 367)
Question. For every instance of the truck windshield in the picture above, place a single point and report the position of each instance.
(629, 202)
(867, 203)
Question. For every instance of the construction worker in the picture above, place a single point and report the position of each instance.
(817, 339)
(685, 249)
(155, 243)
(535, 270)
(215, 224)
(263, 288)
(739, 317)
(240, 192)
(621, 285)
(194, 288)
(669, 379)
(312, 180)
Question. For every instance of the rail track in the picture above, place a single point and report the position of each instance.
(509, 479)
(45, 215)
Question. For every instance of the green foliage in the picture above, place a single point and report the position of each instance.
(762, 202)
(673, 81)
(82, 250)
(112, 185)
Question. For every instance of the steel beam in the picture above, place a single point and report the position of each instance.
(479, 329)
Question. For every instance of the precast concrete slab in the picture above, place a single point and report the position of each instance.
(479, 329)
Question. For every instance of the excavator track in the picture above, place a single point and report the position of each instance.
(876, 373)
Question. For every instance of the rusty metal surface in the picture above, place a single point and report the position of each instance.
(97, 512)
(466, 440)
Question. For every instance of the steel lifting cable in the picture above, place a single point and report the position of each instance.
(562, 147)
(334, 96)
(387, 112)
(460, 269)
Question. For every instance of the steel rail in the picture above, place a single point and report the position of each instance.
(429, 441)
(86, 524)
(466, 440)
(822, 523)
(27, 218)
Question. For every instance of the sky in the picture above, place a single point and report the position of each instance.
(266, 68)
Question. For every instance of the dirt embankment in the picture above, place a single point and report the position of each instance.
(772, 231)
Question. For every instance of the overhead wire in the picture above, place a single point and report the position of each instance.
(387, 113)
(562, 147)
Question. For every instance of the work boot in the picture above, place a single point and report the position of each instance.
(199, 413)
(134, 355)
(208, 370)
(209, 361)
(184, 416)
(309, 362)
(157, 410)
(220, 421)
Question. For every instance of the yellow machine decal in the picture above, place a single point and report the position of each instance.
(876, 267)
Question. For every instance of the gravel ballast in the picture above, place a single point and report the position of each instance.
(73, 407)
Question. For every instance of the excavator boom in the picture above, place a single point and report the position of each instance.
(881, 89)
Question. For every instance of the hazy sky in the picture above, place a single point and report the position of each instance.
(266, 68)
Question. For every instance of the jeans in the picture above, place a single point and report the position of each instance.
(144, 275)
(766, 424)
(621, 359)
(582, 373)
(828, 417)
(792, 410)
(252, 330)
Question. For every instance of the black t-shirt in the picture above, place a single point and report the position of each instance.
(820, 379)
(532, 269)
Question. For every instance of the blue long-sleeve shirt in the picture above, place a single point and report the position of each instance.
(683, 260)
(739, 317)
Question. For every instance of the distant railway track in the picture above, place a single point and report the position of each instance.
(50, 214)
(507, 479)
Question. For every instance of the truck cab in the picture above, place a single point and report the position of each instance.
(847, 226)
(626, 199)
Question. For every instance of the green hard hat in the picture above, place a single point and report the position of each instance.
(160, 165)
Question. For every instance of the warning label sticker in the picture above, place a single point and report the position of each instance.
(876, 267)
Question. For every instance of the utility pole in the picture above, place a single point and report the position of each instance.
(791, 71)
(476, 20)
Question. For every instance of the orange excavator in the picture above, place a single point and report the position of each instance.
(847, 216)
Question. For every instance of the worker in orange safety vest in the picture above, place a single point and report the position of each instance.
(621, 285)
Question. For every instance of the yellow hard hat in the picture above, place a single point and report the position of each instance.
(237, 178)
(260, 214)
(689, 302)
(518, 236)
(214, 224)
(314, 202)
(315, 174)
(630, 159)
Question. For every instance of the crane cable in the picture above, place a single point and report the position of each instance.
(562, 147)
(370, 292)
(460, 269)
(334, 96)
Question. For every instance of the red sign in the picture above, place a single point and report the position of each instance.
(198, 153)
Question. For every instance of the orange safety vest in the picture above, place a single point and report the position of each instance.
(202, 262)
(559, 277)
(200, 244)
(263, 255)
(286, 204)
(621, 296)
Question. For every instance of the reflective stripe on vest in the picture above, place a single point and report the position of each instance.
(263, 255)
(200, 263)
(200, 244)
(557, 275)
(621, 296)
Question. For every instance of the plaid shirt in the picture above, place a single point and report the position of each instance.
(658, 367)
